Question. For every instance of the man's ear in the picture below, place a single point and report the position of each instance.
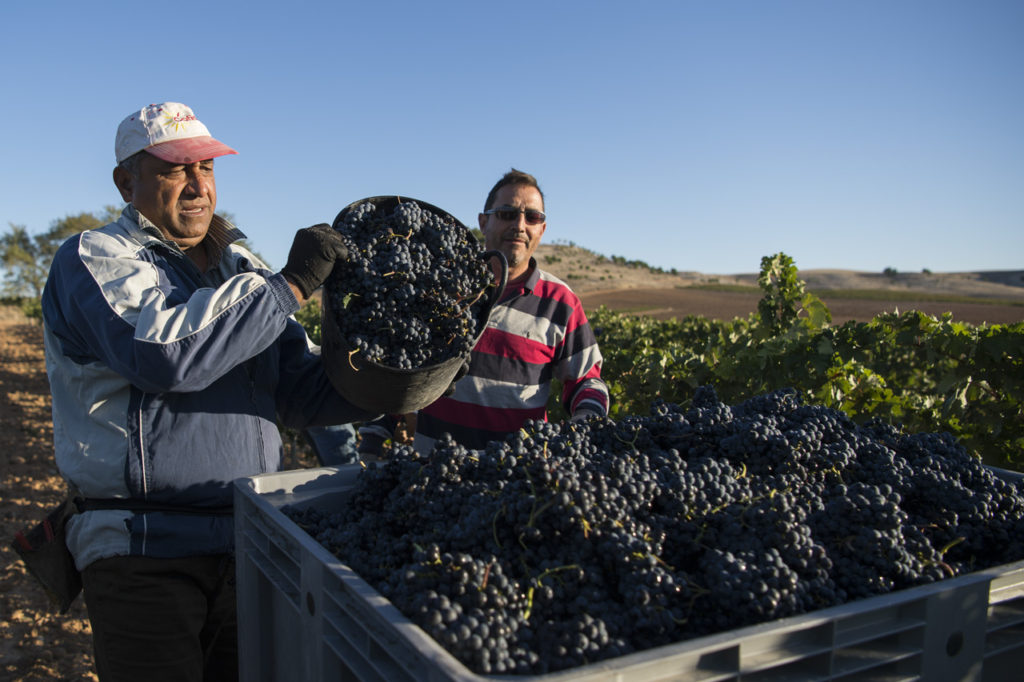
(124, 182)
(482, 220)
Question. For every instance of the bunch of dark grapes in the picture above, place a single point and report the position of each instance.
(411, 292)
(567, 544)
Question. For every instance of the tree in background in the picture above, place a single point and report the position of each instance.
(26, 258)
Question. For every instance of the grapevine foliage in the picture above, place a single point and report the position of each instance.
(926, 373)
(575, 542)
(410, 293)
(309, 316)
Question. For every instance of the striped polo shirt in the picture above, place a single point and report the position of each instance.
(536, 333)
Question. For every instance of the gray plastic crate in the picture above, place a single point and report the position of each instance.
(304, 616)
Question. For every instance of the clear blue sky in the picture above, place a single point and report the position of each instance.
(857, 134)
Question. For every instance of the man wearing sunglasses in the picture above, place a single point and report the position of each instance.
(537, 332)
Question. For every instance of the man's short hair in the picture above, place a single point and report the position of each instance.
(513, 177)
(131, 164)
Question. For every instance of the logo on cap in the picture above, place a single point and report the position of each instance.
(178, 120)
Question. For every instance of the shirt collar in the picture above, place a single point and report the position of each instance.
(528, 283)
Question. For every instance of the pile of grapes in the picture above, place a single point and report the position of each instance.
(572, 543)
(411, 292)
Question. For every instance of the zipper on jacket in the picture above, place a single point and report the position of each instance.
(250, 372)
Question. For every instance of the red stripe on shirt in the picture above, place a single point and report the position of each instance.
(507, 345)
(477, 417)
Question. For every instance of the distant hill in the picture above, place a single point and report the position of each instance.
(587, 272)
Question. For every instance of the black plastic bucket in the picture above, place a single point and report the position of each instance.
(391, 390)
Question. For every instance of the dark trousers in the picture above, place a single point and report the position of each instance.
(163, 619)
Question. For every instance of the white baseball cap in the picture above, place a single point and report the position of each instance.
(169, 131)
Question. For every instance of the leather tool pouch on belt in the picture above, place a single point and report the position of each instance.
(46, 555)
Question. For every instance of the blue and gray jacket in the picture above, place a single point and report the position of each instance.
(169, 383)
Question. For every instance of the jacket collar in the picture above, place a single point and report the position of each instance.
(220, 235)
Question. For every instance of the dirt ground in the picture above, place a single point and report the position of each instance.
(37, 644)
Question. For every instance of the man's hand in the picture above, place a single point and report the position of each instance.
(314, 252)
(582, 414)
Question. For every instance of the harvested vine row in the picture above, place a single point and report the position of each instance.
(409, 295)
(567, 544)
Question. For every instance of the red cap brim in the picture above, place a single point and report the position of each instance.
(190, 149)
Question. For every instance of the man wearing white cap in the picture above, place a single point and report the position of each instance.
(172, 354)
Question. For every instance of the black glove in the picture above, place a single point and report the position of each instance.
(314, 252)
(463, 370)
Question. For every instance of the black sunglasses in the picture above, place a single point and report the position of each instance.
(533, 216)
